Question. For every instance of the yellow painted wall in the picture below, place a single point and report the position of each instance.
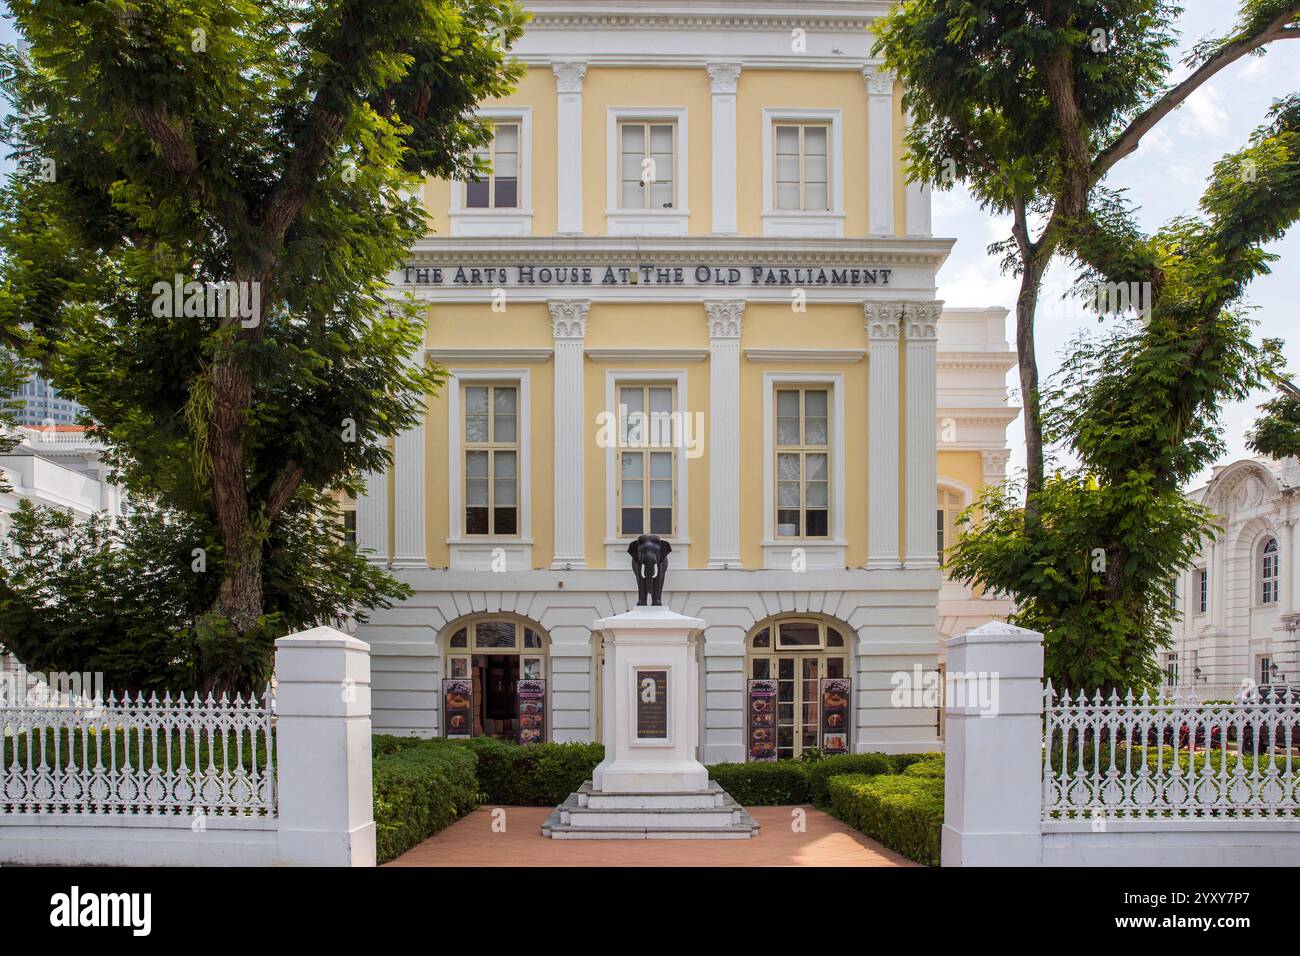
(806, 89)
(536, 90)
(649, 88)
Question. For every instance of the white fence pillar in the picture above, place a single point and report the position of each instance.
(994, 776)
(326, 803)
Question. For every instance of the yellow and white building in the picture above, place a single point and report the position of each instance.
(698, 211)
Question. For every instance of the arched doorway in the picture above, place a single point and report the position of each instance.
(495, 652)
(798, 652)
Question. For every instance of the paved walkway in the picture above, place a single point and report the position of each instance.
(825, 842)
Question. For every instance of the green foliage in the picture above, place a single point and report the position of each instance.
(129, 598)
(931, 767)
(274, 145)
(775, 783)
(538, 775)
(903, 761)
(420, 787)
(903, 812)
(1277, 431)
(820, 774)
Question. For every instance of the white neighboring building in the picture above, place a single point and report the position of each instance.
(1239, 601)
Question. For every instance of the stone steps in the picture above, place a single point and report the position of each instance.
(703, 815)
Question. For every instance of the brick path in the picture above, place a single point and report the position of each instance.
(471, 842)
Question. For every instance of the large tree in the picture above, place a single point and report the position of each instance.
(1032, 103)
(271, 153)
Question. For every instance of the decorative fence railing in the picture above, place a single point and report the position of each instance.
(1171, 758)
(139, 756)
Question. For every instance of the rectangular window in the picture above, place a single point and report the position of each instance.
(1171, 669)
(350, 527)
(647, 461)
(491, 442)
(647, 164)
(499, 188)
(802, 179)
(948, 505)
(802, 462)
(1265, 671)
(1202, 591)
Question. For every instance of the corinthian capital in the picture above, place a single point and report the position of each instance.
(921, 320)
(882, 319)
(878, 80)
(569, 318)
(724, 77)
(568, 75)
(725, 318)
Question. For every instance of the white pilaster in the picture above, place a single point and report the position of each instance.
(1218, 582)
(568, 186)
(408, 494)
(920, 335)
(725, 320)
(880, 149)
(724, 79)
(1286, 571)
(918, 206)
(372, 517)
(569, 326)
(882, 433)
(1291, 568)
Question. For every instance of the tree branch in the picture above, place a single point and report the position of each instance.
(1143, 123)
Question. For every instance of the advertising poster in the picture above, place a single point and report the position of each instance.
(651, 704)
(531, 695)
(835, 715)
(458, 707)
(761, 712)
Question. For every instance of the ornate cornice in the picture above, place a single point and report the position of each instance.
(569, 318)
(878, 80)
(569, 20)
(568, 75)
(724, 77)
(725, 318)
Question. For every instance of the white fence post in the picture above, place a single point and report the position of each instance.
(326, 804)
(994, 774)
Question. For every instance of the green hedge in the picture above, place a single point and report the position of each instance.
(535, 776)
(902, 811)
(420, 786)
(763, 784)
(930, 767)
(903, 761)
(820, 773)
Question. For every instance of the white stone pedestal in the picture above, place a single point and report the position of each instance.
(651, 785)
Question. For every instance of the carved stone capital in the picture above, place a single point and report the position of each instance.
(995, 464)
(568, 75)
(882, 319)
(878, 80)
(569, 318)
(724, 77)
(725, 318)
(921, 320)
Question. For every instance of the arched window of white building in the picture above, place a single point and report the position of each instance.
(1268, 572)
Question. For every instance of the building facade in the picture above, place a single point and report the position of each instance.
(1238, 603)
(38, 403)
(695, 297)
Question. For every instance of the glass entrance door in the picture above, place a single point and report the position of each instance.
(797, 654)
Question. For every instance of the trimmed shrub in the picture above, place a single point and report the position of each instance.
(930, 767)
(420, 786)
(903, 812)
(764, 784)
(537, 775)
(903, 761)
(822, 771)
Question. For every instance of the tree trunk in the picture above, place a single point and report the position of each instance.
(1027, 360)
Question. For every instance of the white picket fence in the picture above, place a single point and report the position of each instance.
(1170, 758)
(138, 755)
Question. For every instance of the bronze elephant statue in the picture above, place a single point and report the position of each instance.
(650, 565)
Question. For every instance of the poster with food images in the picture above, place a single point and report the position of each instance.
(762, 719)
(835, 715)
(531, 697)
(458, 707)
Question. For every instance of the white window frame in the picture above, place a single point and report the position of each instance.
(817, 224)
(616, 546)
(1201, 583)
(647, 222)
(500, 222)
(477, 553)
(821, 554)
(1263, 582)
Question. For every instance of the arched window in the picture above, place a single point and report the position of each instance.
(495, 653)
(797, 653)
(1268, 572)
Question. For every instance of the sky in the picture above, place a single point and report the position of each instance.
(1164, 179)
